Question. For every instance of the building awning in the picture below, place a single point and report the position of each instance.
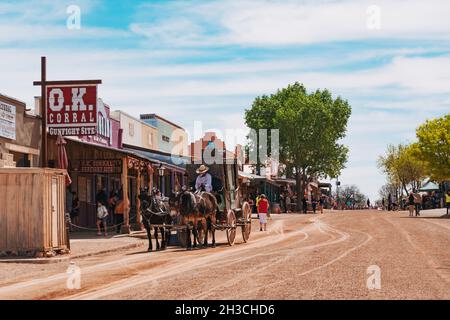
(166, 161)
(255, 177)
(285, 181)
(429, 186)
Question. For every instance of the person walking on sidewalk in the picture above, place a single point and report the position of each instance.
(263, 212)
(305, 205)
(321, 204)
(314, 204)
(74, 212)
(411, 204)
(447, 201)
(102, 214)
(119, 211)
(389, 202)
(417, 202)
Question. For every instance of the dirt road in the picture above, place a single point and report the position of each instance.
(301, 257)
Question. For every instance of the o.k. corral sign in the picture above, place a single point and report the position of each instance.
(72, 110)
(7, 121)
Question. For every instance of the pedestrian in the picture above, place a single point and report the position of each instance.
(411, 204)
(368, 203)
(417, 202)
(288, 203)
(119, 211)
(389, 202)
(447, 200)
(102, 214)
(74, 212)
(314, 204)
(305, 205)
(263, 212)
(321, 204)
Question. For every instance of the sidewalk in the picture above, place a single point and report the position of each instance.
(84, 244)
(435, 213)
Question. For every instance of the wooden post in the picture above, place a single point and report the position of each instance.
(138, 201)
(44, 162)
(126, 212)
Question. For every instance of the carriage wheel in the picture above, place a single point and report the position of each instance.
(247, 217)
(231, 230)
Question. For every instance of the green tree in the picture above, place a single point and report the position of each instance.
(403, 168)
(310, 128)
(260, 116)
(433, 147)
(353, 194)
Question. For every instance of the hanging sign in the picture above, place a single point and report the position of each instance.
(7, 121)
(111, 166)
(72, 110)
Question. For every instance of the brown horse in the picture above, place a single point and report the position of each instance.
(208, 207)
(191, 217)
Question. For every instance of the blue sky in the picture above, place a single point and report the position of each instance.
(207, 60)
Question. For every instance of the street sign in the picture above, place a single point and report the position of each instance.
(72, 109)
(7, 121)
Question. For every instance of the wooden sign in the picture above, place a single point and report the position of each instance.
(113, 166)
(7, 121)
(72, 110)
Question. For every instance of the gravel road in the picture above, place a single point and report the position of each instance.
(300, 257)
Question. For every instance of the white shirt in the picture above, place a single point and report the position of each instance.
(102, 212)
(204, 180)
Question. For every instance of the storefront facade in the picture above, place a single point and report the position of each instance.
(99, 166)
(20, 134)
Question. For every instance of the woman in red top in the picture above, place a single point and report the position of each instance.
(263, 210)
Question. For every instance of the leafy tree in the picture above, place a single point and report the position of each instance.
(311, 126)
(260, 116)
(389, 188)
(353, 194)
(402, 167)
(433, 147)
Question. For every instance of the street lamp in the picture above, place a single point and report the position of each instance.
(161, 170)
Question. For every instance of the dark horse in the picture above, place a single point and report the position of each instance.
(198, 210)
(208, 207)
(154, 212)
(191, 217)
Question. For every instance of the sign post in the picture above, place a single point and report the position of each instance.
(68, 108)
(44, 162)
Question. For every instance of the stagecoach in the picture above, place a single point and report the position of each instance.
(234, 213)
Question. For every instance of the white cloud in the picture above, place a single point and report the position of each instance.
(264, 23)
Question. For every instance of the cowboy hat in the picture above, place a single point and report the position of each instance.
(202, 169)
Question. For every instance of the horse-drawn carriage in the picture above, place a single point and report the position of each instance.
(201, 212)
(233, 212)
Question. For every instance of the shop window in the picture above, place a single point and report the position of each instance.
(22, 160)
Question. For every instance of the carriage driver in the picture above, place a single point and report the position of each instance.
(204, 179)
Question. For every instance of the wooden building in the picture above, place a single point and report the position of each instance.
(32, 211)
(20, 134)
